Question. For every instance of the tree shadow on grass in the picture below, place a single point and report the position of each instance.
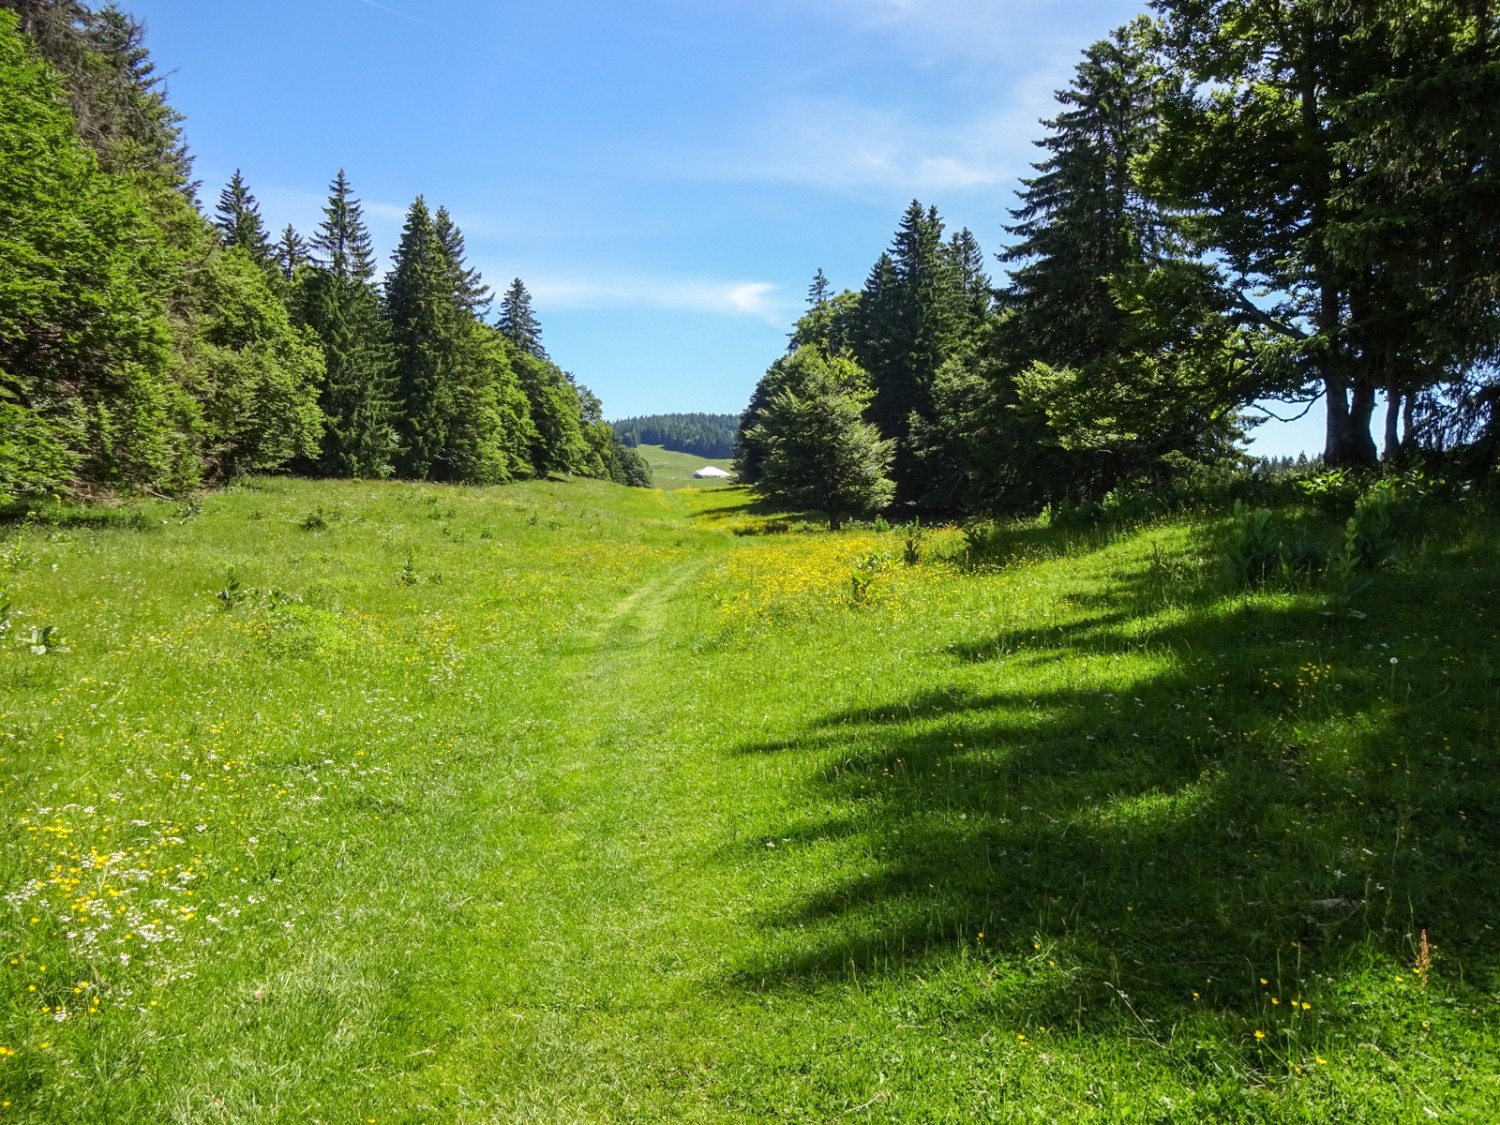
(1268, 800)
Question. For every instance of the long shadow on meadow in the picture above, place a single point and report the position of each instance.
(1280, 802)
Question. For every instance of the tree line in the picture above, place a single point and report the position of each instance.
(1236, 204)
(147, 347)
(703, 435)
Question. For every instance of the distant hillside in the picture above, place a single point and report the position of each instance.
(703, 435)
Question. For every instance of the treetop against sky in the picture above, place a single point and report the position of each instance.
(666, 176)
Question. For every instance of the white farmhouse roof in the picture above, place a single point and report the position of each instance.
(711, 472)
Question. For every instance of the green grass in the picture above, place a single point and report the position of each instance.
(675, 470)
(559, 802)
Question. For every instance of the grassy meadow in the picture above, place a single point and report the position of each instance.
(374, 803)
(671, 470)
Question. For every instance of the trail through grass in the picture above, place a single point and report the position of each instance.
(561, 802)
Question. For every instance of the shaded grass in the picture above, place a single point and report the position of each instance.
(534, 832)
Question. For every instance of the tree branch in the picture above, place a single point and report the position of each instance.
(1296, 417)
(1265, 319)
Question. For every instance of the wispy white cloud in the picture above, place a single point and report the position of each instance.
(1008, 30)
(759, 299)
(849, 147)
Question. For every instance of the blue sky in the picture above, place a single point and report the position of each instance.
(664, 175)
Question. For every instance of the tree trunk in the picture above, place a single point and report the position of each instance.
(1392, 416)
(1349, 441)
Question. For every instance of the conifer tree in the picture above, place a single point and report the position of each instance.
(291, 251)
(814, 448)
(342, 239)
(472, 290)
(464, 415)
(1114, 343)
(975, 296)
(519, 323)
(335, 297)
(239, 223)
(912, 321)
(85, 392)
(427, 337)
(560, 444)
(817, 292)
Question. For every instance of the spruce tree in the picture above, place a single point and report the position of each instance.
(86, 395)
(1113, 340)
(815, 449)
(291, 251)
(471, 289)
(239, 223)
(519, 323)
(464, 413)
(335, 297)
(426, 335)
(912, 321)
(975, 296)
(817, 292)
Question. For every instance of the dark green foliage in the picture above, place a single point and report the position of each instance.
(1112, 353)
(910, 324)
(336, 299)
(1342, 159)
(558, 444)
(791, 374)
(813, 447)
(831, 325)
(518, 322)
(140, 345)
(628, 467)
(343, 241)
(258, 375)
(84, 343)
(111, 87)
(1076, 226)
(239, 223)
(472, 292)
(429, 336)
(460, 418)
(703, 435)
(290, 252)
(609, 457)
(921, 300)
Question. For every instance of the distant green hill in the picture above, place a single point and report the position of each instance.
(703, 435)
(670, 469)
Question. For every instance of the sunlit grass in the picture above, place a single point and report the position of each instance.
(569, 802)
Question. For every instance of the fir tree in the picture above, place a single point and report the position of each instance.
(335, 297)
(559, 444)
(911, 323)
(239, 224)
(519, 323)
(464, 412)
(291, 251)
(470, 287)
(816, 449)
(342, 239)
(426, 335)
(1114, 342)
(975, 297)
(817, 292)
(85, 390)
